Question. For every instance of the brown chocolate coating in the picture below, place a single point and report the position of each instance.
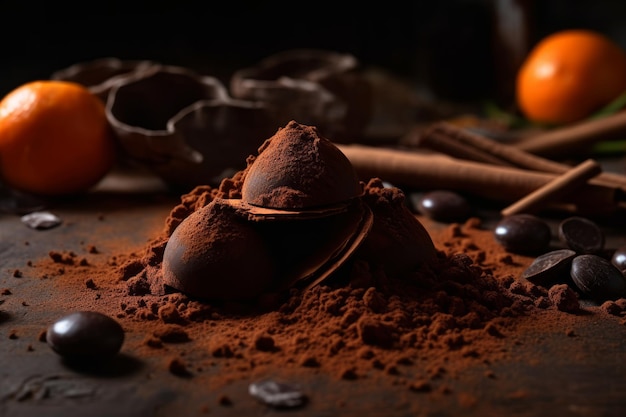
(216, 254)
(398, 241)
(298, 169)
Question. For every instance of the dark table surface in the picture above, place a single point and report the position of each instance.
(588, 380)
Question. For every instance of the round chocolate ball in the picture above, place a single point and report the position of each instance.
(217, 254)
(85, 335)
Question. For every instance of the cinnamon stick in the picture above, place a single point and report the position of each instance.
(561, 141)
(451, 140)
(555, 189)
(446, 138)
(437, 171)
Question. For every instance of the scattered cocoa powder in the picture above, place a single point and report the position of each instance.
(564, 298)
(364, 323)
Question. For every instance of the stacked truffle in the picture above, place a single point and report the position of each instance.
(302, 215)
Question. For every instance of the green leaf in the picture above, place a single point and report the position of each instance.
(494, 112)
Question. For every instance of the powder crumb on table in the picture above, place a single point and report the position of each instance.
(177, 367)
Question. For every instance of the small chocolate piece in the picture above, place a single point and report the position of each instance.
(85, 335)
(581, 235)
(550, 268)
(444, 206)
(523, 233)
(41, 220)
(277, 394)
(597, 278)
(619, 258)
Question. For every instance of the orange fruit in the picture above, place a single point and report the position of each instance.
(55, 139)
(568, 75)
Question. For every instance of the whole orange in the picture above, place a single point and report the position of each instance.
(54, 139)
(568, 75)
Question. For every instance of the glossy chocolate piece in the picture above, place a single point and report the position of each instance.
(523, 233)
(85, 335)
(444, 206)
(582, 235)
(550, 268)
(597, 278)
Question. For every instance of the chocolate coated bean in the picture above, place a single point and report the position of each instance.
(523, 233)
(581, 235)
(85, 335)
(444, 206)
(550, 268)
(597, 278)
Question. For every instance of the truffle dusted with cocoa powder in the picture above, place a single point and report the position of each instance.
(216, 254)
(397, 241)
(298, 169)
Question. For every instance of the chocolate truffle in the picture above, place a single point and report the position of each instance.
(217, 254)
(298, 169)
(397, 241)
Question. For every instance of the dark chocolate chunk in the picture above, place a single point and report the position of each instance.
(85, 335)
(523, 233)
(277, 394)
(550, 268)
(597, 278)
(581, 235)
(443, 205)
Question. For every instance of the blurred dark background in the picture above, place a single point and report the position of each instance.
(457, 49)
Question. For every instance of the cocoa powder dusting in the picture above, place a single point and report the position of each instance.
(298, 168)
(362, 324)
(458, 304)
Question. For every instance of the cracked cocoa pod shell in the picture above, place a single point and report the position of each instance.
(313, 86)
